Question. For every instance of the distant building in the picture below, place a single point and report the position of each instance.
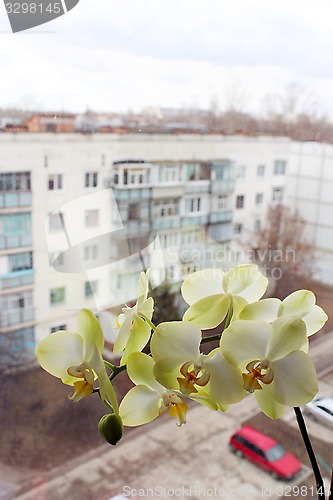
(51, 122)
(82, 215)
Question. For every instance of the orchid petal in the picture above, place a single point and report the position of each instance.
(175, 342)
(140, 368)
(140, 405)
(300, 302)
(226, 383)
(90, 330)
(147, 308)
(289, 334)
(60, 350)
(295, 381)
(245, 341)
(237, 304)
(267, 403)
(124, 331)
(265, 310)
(167, 379)
(138, 338)
(246, 281)
(201, 284)
(315, 320)
(303, 303)
(208, 312)
(143, 287)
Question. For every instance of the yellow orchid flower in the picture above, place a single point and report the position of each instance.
(211, 293)
(301, 303)
(209, 379)
(273, 362)
(134, 332)
(76, 358)
(148, 399)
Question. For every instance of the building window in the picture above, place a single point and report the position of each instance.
(260, 170)
(54, 329)
(91, 218)
(222, 202)
(133, 211)
(15, 181)
(257, 225)
(20, 262)
(277, 194)
(241, 171)
(90, 252)
(91, 179)
(279, 167)
(238, 228)
(222, 172)
(166, 208)
(193, 205)
(197, 171)
(55, 182)
(259, 198)
(240, 201)
(55, 221)
(90, 287)
(57, 296)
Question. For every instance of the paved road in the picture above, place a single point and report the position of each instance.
(164, 461)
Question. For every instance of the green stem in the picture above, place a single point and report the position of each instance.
(311, 455)
(117, 370)
(109, 365)
(152, 326)
(229, 317)
(204, 340)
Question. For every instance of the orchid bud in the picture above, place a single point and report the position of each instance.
(110, 427)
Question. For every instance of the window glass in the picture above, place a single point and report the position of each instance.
(57, 296)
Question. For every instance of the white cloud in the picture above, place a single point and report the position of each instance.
(120, 54)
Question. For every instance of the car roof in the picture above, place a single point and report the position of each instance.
(326, 401)
(256, 437)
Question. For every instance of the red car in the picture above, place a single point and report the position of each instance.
(265, 452)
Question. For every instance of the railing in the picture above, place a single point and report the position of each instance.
(15, 241)
(15, 199)
(17, 317)
(19, 278)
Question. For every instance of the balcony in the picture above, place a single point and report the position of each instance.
(223, 216)
(198, 220)
(16, 317)
(223, 186)
(15, 241)
(166, 222)
(15, 199)
(16, 279)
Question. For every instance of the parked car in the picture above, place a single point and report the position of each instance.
(321, 409)
(265, 452)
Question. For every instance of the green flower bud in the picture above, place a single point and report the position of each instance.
(111, 428)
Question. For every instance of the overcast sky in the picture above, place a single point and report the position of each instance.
(130, 54)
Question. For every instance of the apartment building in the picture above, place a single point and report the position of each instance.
(83, 215)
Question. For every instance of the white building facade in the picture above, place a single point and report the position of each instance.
(82, 215)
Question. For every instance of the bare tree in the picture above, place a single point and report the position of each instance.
(282, 250)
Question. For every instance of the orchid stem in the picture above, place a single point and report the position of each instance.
(311, 455)
(109, 365)
(116, 371)
(330, 497)
(152, 326)
(229, 317)
(204, 340)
